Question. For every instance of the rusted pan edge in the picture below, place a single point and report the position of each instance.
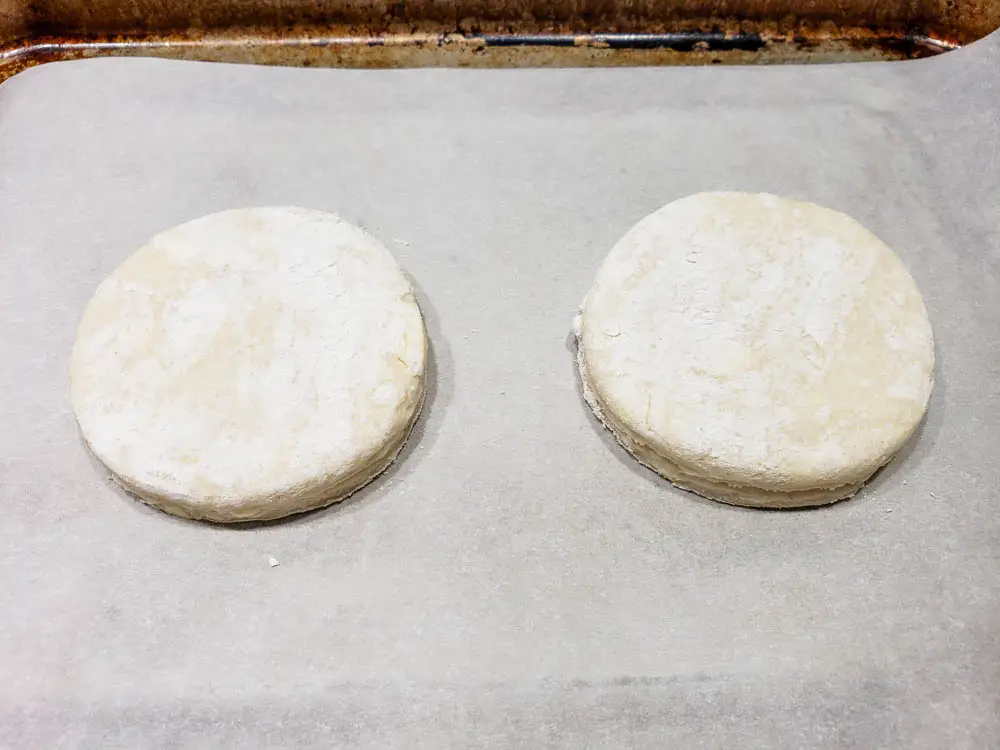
(301, 48)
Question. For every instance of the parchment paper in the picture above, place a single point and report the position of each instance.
(516, 580)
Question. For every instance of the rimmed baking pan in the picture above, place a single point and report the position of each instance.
(489, 33)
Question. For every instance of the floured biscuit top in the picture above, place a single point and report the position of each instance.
(756, 342)
(250, 364)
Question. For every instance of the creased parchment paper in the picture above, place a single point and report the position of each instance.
(516, 580)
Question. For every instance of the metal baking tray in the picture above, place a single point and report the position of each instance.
(488, 33)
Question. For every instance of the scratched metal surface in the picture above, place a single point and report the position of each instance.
(515, 580)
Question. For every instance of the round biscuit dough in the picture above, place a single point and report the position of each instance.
(756, 350)
(250, 364)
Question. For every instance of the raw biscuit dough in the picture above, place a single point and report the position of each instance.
(250, 364)
(756, 350)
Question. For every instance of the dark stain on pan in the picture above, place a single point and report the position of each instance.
(488, 33)
(967, 19)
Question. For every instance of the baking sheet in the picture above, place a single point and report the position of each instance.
(516, 579)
